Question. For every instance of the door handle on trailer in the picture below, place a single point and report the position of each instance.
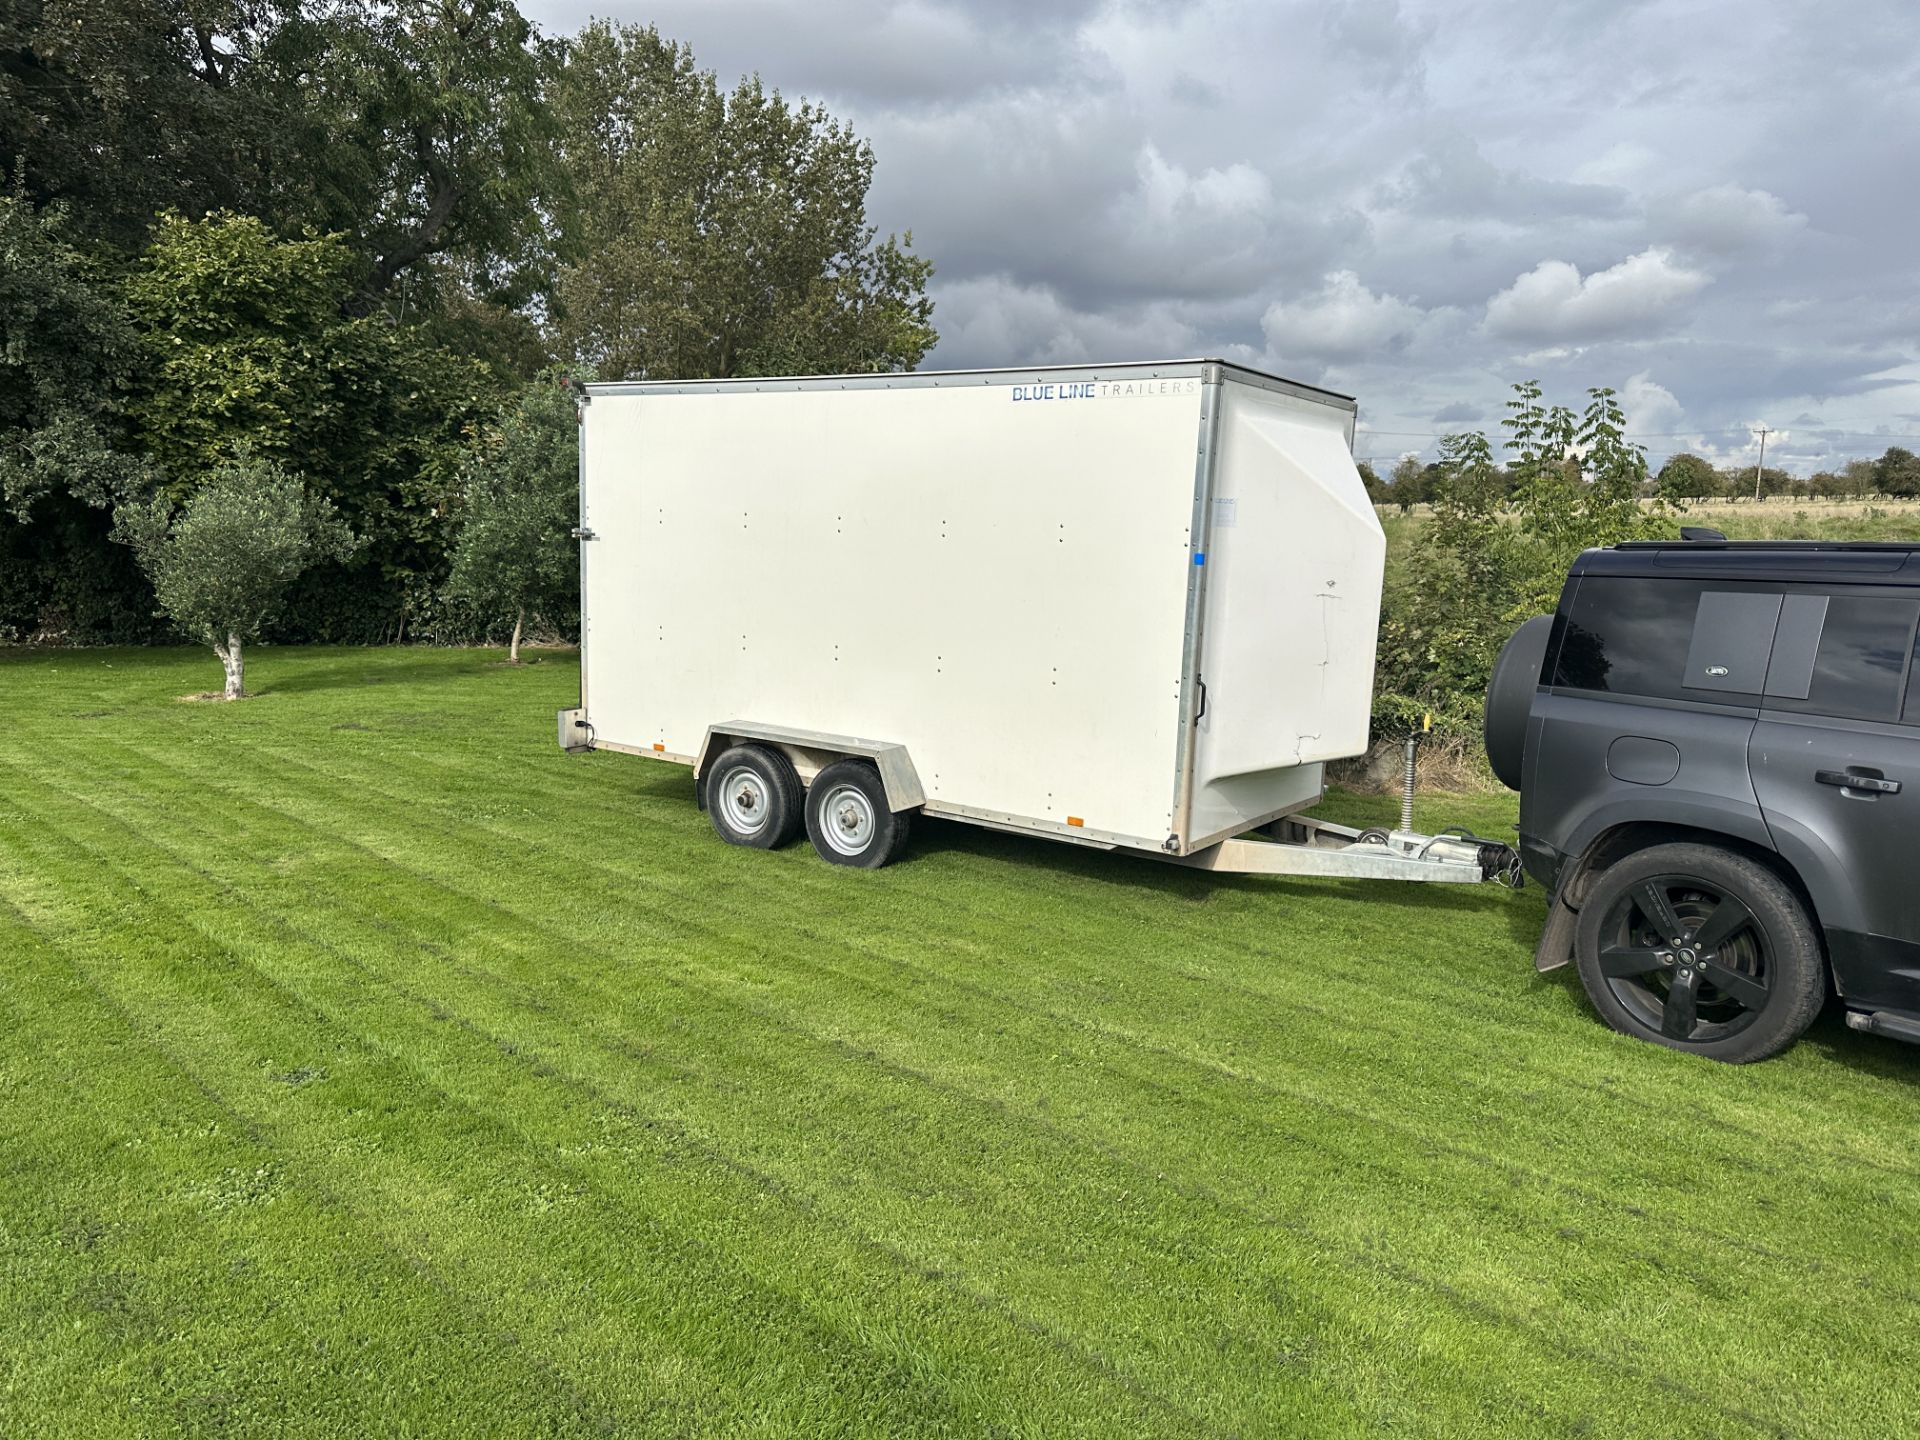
(1847, 780)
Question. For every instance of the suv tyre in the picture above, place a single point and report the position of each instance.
(1700, 949)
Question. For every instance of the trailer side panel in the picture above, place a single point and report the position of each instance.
(992, 574)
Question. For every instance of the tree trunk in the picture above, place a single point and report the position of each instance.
(236, 667)
(513, 646)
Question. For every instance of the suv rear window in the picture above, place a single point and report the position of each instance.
(1866, 649)
(1639, 637)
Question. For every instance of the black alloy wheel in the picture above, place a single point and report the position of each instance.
(1700, 949)
(1685, 959)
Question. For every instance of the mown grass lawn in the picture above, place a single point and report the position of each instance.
(368, 1066)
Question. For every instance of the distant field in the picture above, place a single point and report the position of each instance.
(368, 1066)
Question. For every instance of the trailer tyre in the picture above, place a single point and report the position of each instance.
(848, 819)
(754, 797)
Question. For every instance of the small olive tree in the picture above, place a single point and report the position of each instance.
(514, 555)
(223, 561)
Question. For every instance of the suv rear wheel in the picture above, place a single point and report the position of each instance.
(1702, 950)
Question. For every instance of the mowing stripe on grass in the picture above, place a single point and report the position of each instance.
(1405, 1270)
(1012, 1137)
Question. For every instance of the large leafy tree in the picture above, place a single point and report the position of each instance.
(246, 346)
(66, 352)
(223, 562)
(430, 135)
(1898, 472)
(1408, 486)
(514, 555)
(66, 347)
(414, 128)
(120, 109)
(722, 233)
(1688, 477)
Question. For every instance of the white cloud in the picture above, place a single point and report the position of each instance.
(1553, 302)
(1173, 194)
(1650, 407)
(1342, 320)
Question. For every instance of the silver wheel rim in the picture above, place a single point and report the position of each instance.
(847, 820)
(743, 800)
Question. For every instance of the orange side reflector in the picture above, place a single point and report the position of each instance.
(658, 746)
(1075, 820)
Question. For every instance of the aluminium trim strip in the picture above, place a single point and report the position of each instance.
(580, 418)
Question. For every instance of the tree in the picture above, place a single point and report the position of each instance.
(225, 561)
(66, 347)
(66, 353)
(722, 234)
(1500, 545)
(120, 109)
(245, 345)
(1371, 482)
(1898, 472)
(514, 555)
(1688, 477)
(427, 131)
(1409, 485)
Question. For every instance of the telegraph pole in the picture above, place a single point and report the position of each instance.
(1762, 432)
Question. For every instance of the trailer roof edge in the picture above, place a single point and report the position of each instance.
(906, 379)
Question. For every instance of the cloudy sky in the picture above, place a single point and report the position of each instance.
(1711, 207)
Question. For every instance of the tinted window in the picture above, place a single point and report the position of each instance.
(1635, 637)
(1860, 670)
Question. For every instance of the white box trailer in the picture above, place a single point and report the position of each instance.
(1127, 606)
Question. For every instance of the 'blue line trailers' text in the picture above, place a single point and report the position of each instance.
(1103, 389)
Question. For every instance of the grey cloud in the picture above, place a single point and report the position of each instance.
(1186, 88)
(1726, 219)
(1383, 43)
(1450, 179)
(885, 51)
(1416, 201)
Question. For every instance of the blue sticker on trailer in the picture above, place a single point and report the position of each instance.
(1199, 557)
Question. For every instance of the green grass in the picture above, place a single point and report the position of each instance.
(368, 1066)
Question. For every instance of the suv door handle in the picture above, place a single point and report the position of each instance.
(1847, 780)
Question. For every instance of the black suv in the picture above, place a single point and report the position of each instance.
(1717, 749)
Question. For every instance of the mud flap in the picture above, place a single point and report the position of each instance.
(1556, 941)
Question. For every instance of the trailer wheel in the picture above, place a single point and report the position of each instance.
(848, 819)
(754, 797)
